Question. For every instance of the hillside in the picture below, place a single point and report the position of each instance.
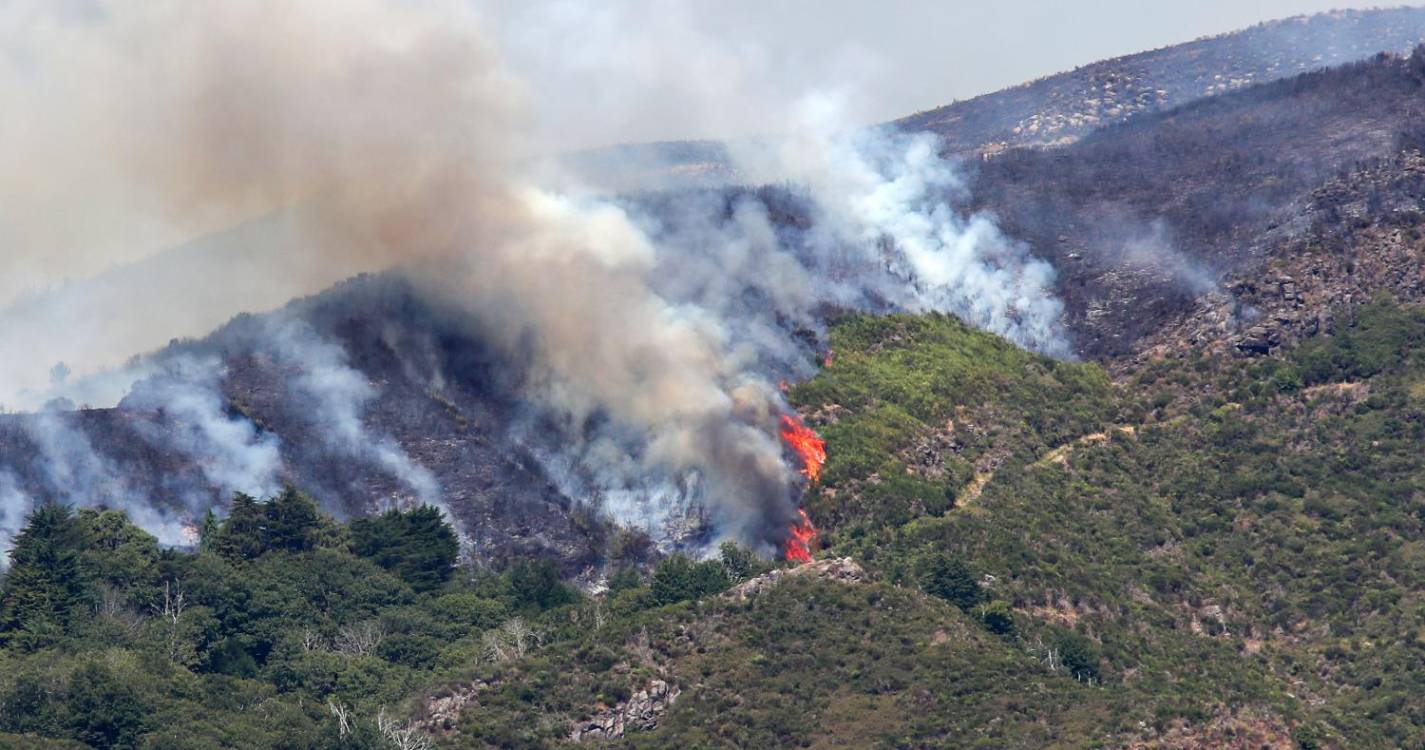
(1141, 219)
(422, 411)
(356, 523)
(1210, 552)
(1064, 107)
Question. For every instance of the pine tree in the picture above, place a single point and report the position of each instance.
(292, 522)
(243, 535)
(417, 545)
(46, 586)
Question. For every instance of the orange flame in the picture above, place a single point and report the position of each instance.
(826, 360)
(808, 446)
(801, 539)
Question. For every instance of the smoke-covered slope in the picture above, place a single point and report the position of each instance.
(1066, 106)
(368, 396)
(1142, 219)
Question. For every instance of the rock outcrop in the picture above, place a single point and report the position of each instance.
(844, 570)
(639, 713)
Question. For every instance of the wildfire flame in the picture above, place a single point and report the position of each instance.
(808, 446)
(801, 539)
(811, 449)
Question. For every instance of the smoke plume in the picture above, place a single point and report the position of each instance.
(389, 134)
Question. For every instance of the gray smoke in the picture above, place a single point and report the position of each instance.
(391, 134)
(337, 396)
(75, 473)
(15, 506)
(233, 455)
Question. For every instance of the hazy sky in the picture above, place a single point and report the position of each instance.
(632, 70)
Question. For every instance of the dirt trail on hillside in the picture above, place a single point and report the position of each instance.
(1057, 455)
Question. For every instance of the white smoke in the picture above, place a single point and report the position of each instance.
(15, 507)
(229, 449)
(75, 473)
(890, 197)
(337, 396)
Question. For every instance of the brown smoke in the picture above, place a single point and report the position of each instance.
(393, 131)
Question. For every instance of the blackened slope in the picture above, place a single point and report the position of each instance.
(1070, 105)
(441, 395)
(1141, 219)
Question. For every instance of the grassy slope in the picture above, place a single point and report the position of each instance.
(1255, 537)
(1238, 569)
(1242, 560)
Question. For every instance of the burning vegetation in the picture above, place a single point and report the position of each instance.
(808, 446)
(801, 539)
(810, 449)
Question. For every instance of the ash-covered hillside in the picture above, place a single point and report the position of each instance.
(1239, 222)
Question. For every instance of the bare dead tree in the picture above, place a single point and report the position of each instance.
(512, 640)
(493, 647)
(641, 646)
(598, 612)
(343, 717)
(171, 612)
(312, 640)
(520, 636)
(403, 736)
(112, 606)
(360, 639)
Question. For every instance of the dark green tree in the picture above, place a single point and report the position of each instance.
(118, 553)
(998, 618)
(417, 545)
(623, 580)
(104, 711)
(243, 535)
(950, 579)
(47, 585)
(292, 522)
(1078, 654)
(536, 583)
(678, 579)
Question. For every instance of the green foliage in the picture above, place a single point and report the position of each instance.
(1378, 336)
(679, 579)
(46, 587)
(1250, 543)
(104, 711)
(535, 584)
(113, 643)
(1079, 655)
(997, 617)
(289, 522)
(950, 579)
(622, 580)
(417, 545)
(739, 563)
